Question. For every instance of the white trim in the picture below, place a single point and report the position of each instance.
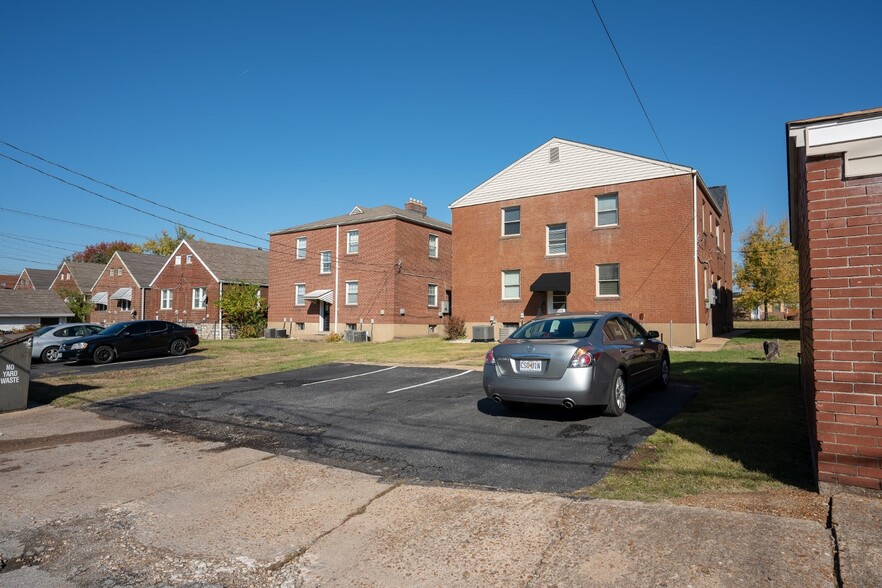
(302, 298)
(502, 283)
(348, 283)
(597, 211)
(597, 280)
(193, 251)
(695, 253)
(548, 229)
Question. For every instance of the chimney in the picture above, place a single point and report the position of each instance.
(416, 206)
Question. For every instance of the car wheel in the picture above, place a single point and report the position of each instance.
(103, 354)
(178, 347)
(618, 396)
(50, 355)
(664, 375)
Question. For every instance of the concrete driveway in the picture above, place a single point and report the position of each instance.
(428, 424)
(90, 501)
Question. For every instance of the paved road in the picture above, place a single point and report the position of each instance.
(45, 370)
(429, 424)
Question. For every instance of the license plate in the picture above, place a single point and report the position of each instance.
(530, 366)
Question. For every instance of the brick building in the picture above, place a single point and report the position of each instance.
(577, 227)
(80, 276)
(122, 292)
(835, 191)
(192, 280)
(383, 270)
(35, 279)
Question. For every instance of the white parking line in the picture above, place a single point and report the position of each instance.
(348, 377)
(432, 382)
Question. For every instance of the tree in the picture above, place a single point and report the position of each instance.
(243, 309)
(769, 271)
(102, 252)
(77, 302)
(165, 244)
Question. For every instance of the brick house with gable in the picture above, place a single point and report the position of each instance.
(80, 276)
(35, 279)
(582, 228)
(383, 270)
(192, 279)
(835, 195)
(122, 293)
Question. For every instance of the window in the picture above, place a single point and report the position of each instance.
(123, 304)
(352, 242)
(557, 239)
(717, 234)
(301, 248)
(511, 220)
(166, 300)
(325, 262)
(199, 299)
(511, 284)
(433, 245)
(608, 279)
(607, 210)
(189, 258)
(433, 295)
(351, 292)
(299, 293)
(177, 260)
(118, 271)
(558, 301)
(351, 327)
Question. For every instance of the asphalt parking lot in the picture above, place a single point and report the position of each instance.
(427, 424)
(45, 370)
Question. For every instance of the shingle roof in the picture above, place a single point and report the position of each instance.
(32, 303)
(365, 215)
(8, 280)
(720, 194)
(233, 264)
(142, 266)
(41, 278)
(85, 274)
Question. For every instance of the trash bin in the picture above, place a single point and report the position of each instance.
(269, 333)
(15, 373)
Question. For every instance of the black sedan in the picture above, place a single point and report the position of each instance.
(131, 339)
(576, 360)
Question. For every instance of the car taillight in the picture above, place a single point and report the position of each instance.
(489, 358)
(585, 357)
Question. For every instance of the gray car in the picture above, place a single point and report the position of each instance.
(48, 340)
(574, 360)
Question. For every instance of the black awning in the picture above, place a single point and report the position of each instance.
(558, 282)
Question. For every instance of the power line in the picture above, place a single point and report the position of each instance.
(12, 238)
(58, 220)
(126, 192)
(23, 237)
(28, 260)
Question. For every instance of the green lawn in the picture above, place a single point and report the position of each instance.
(744, 431)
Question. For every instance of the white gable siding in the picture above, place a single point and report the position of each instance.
(580, 166)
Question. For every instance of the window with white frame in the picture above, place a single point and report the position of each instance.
(189, 258)
(301, 248)
(511, 220)
(351, 242)
(123, 304)
(199, 298)
(325, 267)
(166, 300)
(608, 279)
(607, 210)
(177, 260)
(118, 272)
(433, 245)
(299, 293)
(352, 292)
(511, 284)
(433, 295)
(556, 239)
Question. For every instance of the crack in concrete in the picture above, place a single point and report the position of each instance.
(837, 569)
(295, 556)
(551, 544)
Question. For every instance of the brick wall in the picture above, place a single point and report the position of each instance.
(181, 279)
(653, 243)
(841, 274)
(384, 285)
(114, 312)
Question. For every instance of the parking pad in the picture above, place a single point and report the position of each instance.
(430, 424)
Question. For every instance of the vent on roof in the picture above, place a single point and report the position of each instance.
(554, 155)
(356, 210)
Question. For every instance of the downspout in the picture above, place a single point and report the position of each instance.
(220, 313)
(695, 251)
(336, 276)
(143, 296)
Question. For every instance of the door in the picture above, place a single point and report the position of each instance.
(645, 356)
(324, 316)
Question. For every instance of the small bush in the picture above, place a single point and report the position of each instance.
(455, 328)
(333, 338)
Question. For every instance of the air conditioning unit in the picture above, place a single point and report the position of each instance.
(355, 336)
(482, 333)
(505, 332)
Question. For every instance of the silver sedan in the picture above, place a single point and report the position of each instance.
(48, 340)
(576, 360)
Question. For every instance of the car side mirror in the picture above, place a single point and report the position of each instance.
(652, 335)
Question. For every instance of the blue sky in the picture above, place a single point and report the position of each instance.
(265, 115)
